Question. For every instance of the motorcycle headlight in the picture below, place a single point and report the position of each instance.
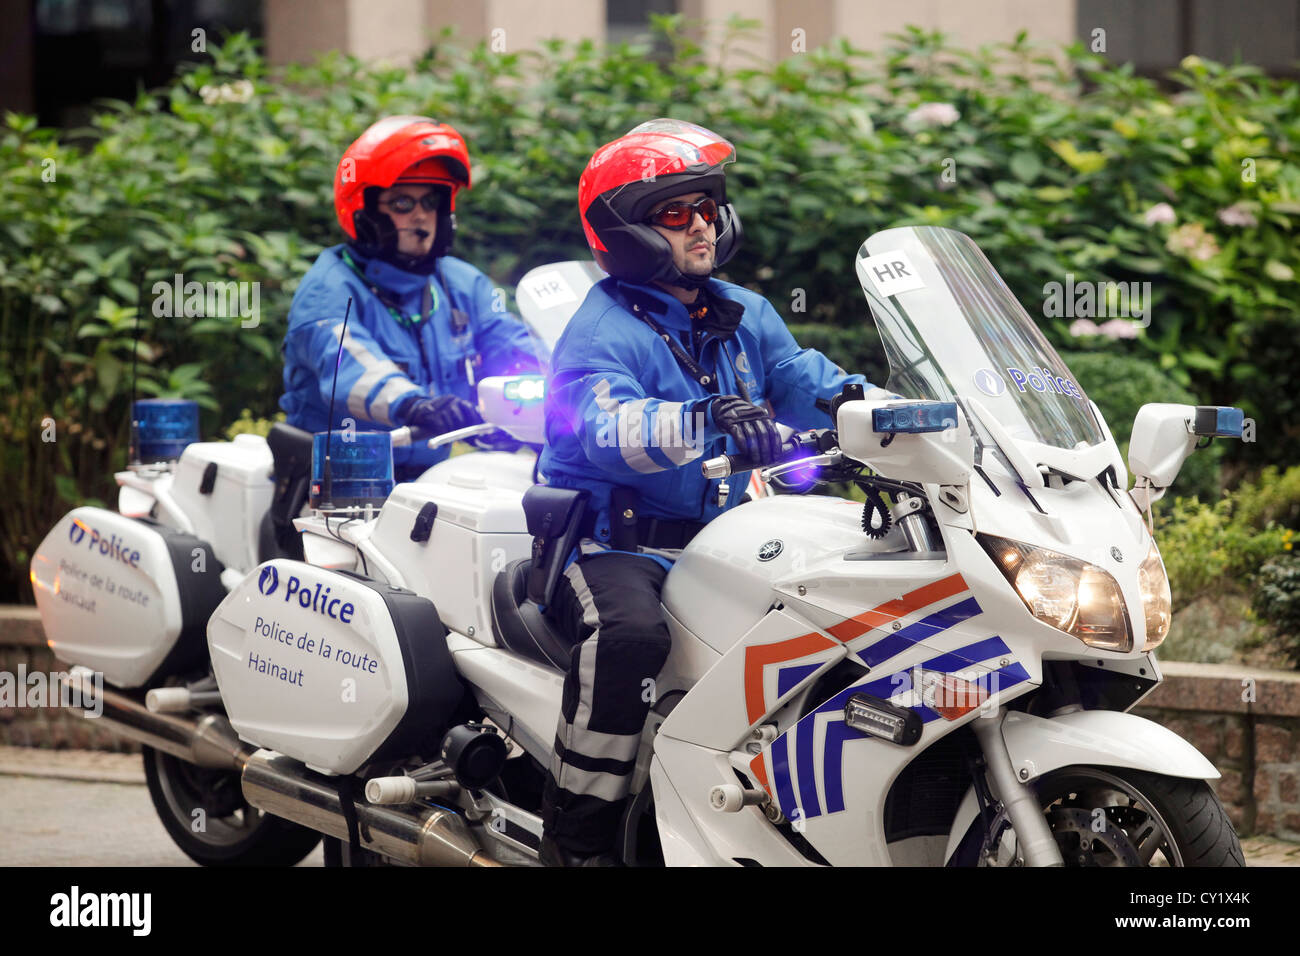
(1073, 596)
(1156, 599)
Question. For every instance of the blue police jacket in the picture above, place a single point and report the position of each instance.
(620, 408)
(393, 356)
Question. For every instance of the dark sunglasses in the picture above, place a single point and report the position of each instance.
(404, 204)
(679, 215)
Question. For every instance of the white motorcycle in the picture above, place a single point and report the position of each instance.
(941, 679)
(212, 511)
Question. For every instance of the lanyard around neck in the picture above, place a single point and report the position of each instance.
(429, 297)
(684, 358)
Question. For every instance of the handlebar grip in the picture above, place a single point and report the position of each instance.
(724, 466)
(720, 467)
(410, 435)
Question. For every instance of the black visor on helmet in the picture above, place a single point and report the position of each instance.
(636, 251)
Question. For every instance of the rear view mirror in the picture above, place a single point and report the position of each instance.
(514, 404)
(1164, 435)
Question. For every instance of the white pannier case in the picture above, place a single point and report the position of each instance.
(332, 668)
(125, 596)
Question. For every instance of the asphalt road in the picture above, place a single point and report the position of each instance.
(84, 808)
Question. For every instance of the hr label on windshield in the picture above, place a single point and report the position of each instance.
(892, 273)
(550, 288)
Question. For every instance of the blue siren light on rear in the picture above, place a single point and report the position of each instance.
(915, 417)
(526, 389)
(163, 427)
(1219, 421)
(361, 469)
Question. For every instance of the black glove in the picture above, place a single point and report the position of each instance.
(495, 440)
(754, 431)
(443, 414)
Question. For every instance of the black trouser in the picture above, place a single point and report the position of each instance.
(609, 603)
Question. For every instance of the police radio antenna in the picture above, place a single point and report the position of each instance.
(327, 479)
(133, 442)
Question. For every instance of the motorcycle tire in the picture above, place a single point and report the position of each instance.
(1158, 820)
(1166, 821)
(227, 831)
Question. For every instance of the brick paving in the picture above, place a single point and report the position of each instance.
(89, 808)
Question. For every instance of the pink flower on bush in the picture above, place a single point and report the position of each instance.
(1238, 214)
(1081, 327)
(1161, 214)
(1119, 329)
(1191, 241)
(929, 115)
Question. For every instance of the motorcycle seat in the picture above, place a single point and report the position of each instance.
(520, 623)
(291, 452)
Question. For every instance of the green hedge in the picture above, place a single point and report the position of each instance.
(1120, 385)
(226, 175)
(1237, 550)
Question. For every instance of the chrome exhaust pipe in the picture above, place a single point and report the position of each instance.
(413, 834)
(206, 740)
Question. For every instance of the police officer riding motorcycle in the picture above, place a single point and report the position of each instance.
(662, 366)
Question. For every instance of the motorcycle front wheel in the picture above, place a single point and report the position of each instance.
(206, 815)
(1115, 816)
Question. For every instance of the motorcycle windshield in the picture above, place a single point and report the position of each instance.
(952, 331)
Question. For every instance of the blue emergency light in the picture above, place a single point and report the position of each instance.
(526, 389)
(1219, 421)
(163, 427)
(915, 417)
(361, 469)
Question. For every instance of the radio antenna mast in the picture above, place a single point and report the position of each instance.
(327, 478)
(133, 442)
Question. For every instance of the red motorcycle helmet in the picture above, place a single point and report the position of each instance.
(407, 149)
(628, 177)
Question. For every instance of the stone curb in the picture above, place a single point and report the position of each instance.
(1226, 689)
(20, 626)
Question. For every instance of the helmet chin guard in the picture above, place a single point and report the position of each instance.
(625, 179)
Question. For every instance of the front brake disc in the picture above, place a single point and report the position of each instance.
(1083, 844)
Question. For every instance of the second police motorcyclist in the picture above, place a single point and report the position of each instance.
(660, 367)
(424, 325)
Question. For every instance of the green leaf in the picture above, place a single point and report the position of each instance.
(124, 289)
(1143, 264)
(1026, 166)
(65, 486)
(260, 345)
(1053, 194)
(1199, 360)
(108, 373)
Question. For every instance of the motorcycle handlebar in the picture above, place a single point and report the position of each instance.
(410, 435)
(799, 445)
(724, 466)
